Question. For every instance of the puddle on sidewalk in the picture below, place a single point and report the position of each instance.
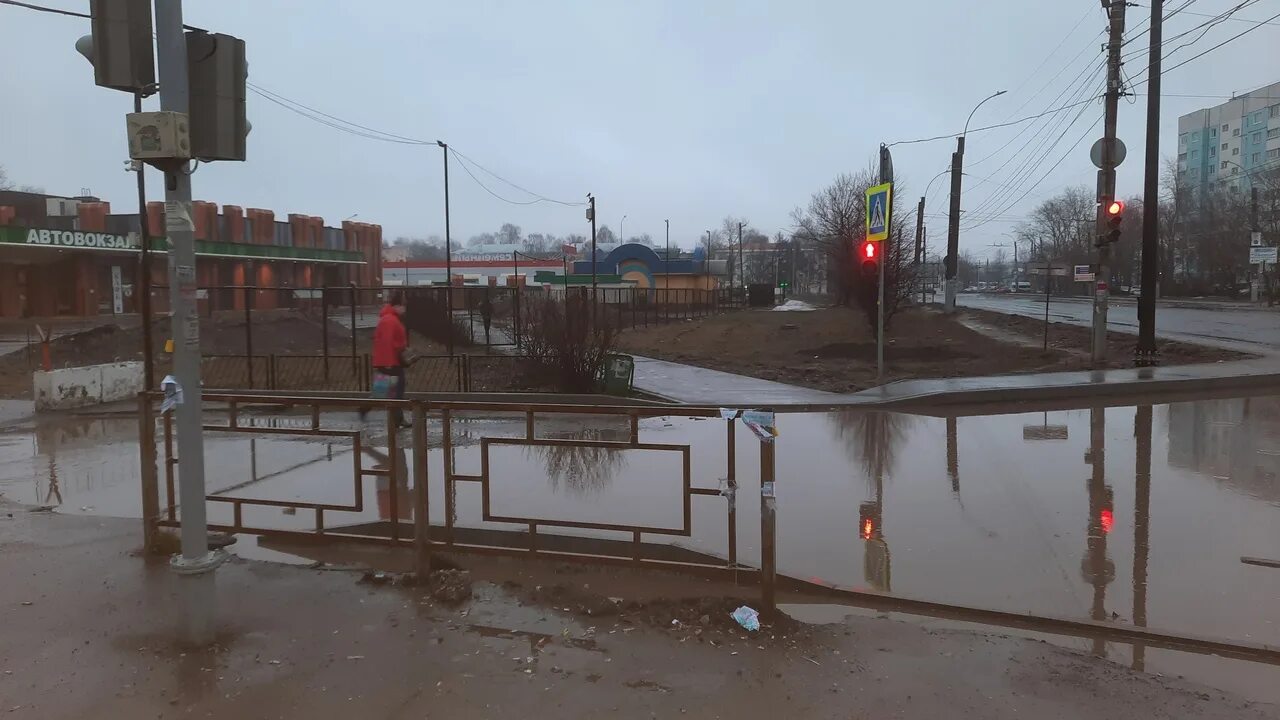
(1124, 515)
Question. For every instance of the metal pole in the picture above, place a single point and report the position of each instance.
(953, 228)
(448, 256)
(196, 562)
(919, 229)
(768, 528)
(884, 260)
(706, 264)
(421, 502)
(1107, 181)
(1146, 351)
(742, 270)
(592, 202)
(1048, 279)
(666, 290)
(144, 270)
(515, 257)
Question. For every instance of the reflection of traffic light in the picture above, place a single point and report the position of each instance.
(869, 256)
(1106, 515)
(868, 520)
(1114, 211)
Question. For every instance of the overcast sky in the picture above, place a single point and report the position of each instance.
(684, 110)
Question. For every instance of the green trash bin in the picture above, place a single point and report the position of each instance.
(619, 374)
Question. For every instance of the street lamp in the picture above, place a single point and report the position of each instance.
(953, 219)
(622, 236)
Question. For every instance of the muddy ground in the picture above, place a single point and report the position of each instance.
(834, 349)
(89, 632)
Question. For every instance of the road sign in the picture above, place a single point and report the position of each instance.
(879, 198)
(1262, 255)
(1083, 273)
(1118, 152)
(1255, 239)
(1054, 269)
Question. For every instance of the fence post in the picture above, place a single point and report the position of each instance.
(248, 333)
(421, 498)
(768, 526)
(324, 329)
(150, 480)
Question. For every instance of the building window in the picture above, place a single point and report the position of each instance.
(1257, 117)
(1235, 169)
(1256, 158)
(1273, 132)
(1275, 110)
(1213, 151)
(1235, 133)
(1224, 164)
(1224, 146)
(1225, 127)
(1195, 155)
(1235, 151)
(1273, 153)
(1213, 132)
(1195, 138)
(1182, 140)
(1257, 137)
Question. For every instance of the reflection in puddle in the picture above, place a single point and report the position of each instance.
(1123, 515)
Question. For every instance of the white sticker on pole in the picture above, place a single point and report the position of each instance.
(760, 422)
(177, 217)
(191, 330)
(172, 393)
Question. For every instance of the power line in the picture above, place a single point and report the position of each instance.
(262, 91)
(43, 9)
(1207, 15)
(486, 187)
(1224, 42)
(517, 187)
(993, 127)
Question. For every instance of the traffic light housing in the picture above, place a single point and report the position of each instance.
(217, 74)
(1114, 212)
(869, 258)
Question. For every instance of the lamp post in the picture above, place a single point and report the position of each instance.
(622, 236)
(953, 219)
(448, 249)
(666, 280)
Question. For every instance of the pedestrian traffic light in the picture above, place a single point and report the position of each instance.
(869, 256)
(1114, 210)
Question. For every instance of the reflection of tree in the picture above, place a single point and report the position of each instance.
(872, 438)
(582, 469)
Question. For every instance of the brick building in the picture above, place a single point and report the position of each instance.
(71, 256)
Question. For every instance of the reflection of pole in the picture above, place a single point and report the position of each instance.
(1141, 526)
(1096, 567)
(953, 455)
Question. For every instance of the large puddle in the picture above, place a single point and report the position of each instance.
(1044, 513)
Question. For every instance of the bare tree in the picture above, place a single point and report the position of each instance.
(835, 221)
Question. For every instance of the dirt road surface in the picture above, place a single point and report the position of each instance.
(87, 632)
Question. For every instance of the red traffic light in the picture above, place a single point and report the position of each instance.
(868, 528)
(869, 250)
(1115, 208)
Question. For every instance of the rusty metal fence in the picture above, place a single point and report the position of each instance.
(405, 482)
(343, 373)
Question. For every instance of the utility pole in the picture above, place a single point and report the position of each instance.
(666, 268)
(1255, 230)
(953, 228)
(448, 251)
(706, 266)
(196, 563)
(1107, 179)
(919, 228)
(1146, 352)
(742, 269)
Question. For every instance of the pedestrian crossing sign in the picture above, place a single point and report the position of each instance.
(878, 199)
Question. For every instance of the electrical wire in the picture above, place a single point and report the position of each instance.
(992, 127)
(264, 92)
(517, 187)
(68, 13)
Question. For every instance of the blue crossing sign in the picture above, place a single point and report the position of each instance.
(878, 211)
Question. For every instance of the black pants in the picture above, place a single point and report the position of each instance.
(397, 373)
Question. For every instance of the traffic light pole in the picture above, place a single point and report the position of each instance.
(1107, 183)
(196, 563)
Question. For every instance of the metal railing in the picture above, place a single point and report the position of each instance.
(322, 418)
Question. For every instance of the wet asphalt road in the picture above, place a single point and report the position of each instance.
(1249, 330)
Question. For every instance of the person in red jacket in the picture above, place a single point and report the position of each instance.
(390, 341)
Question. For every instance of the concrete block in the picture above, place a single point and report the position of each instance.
(83, 386)
(121, 381)
(67, 388)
